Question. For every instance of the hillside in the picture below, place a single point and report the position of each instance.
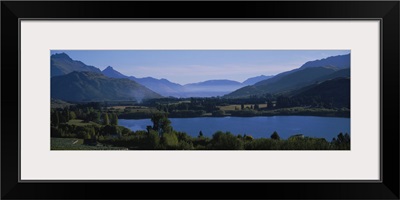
(253, 80)
(335, 91)
(289, 81)
(61, 64)
(112, 73)
(89, 86)
(161, 86)
(286, 83)
(341, 62)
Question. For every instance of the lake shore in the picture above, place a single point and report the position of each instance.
(296, 111)
(257, 127)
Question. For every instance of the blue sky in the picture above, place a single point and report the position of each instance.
(189, 66)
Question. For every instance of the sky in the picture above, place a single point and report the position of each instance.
(190, 66)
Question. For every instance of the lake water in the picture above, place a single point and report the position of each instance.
(258, 127)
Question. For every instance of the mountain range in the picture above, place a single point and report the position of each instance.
(201, 89)
(73, 80)
(308, 74)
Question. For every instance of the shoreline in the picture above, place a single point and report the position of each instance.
(347, 115)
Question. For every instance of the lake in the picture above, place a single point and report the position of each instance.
(258, 127)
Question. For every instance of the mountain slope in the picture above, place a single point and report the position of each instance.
(61, 64)
(110, 72)
(340, 73)
(341, 61)
(335, 91)
(307, 74)
(161, 86)
(253, 80)
(287, 83)
(89, 86)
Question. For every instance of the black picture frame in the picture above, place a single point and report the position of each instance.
(386, 11)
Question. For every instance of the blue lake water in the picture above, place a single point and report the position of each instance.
(258, 127)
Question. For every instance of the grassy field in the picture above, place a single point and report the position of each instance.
(77, 144)
(78, 122)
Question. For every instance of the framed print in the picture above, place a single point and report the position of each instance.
(299, 96)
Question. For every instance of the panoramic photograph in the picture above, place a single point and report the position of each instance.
(200, 100)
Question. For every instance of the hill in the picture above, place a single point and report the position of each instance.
(110, 72)
(89, 86)
(341, 62)
(61, 64)
(335, 91)
(253, 80)
(289, 81)
(284, 84)
(161, 86)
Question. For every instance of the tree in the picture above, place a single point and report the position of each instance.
(66, 114)
(270, 105)
(114, 119)
(148, 128)
(241, 106)
(225, 141)
(256, 106)
(151, 141)
(161, 123)
(249, 138)
(72, 115)
(200, 134)
(275, 136)
(342, 141)
(106, 120)
(170, 140)
(55, 119)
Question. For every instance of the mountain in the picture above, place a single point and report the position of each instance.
(340, 73)
(211, 88)
(214, 83)
(253, 80)
(91, 86)
(287, 83)
(341, 61)
(110, 72)
(343, 73)
(307, 74)
(335, 91)
(161, 86)
(61, 64)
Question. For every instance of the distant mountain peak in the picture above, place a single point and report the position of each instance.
(109, 68)
(112, 73)
(253, 80)
(61, 55)
(62, 64)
